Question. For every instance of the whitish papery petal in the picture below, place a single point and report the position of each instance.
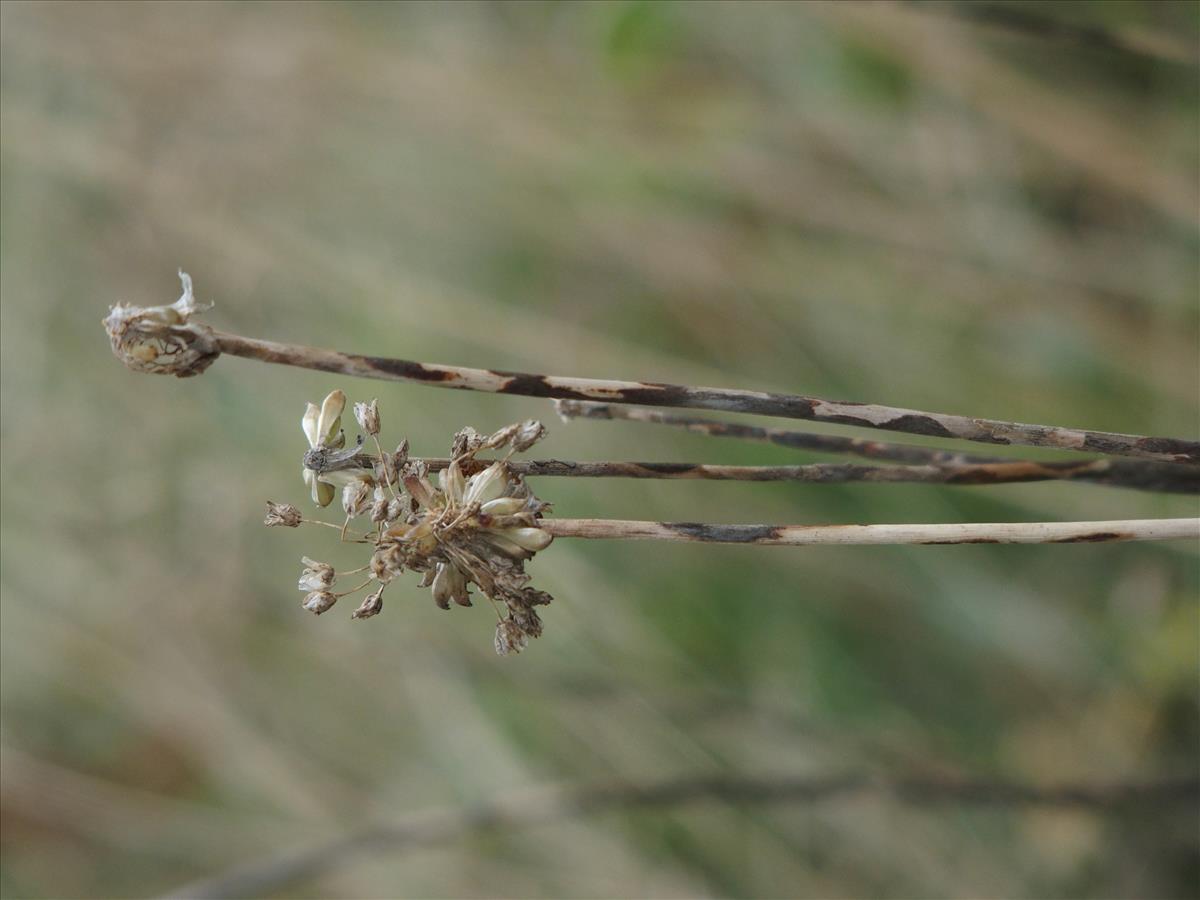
(529, 538)
(487, 485)
(342, 477)
(330, 422)
(504, 506)
(309, 424)
(442, 586)
(452, 482)
(509, 548)
(322, 493)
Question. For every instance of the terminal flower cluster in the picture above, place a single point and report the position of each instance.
(476, 526)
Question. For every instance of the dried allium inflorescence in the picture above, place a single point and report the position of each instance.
(477, 530)
(161, 340)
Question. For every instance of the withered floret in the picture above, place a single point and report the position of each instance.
(319, 601)
(367, 416)
(282, 515)
(372, 605)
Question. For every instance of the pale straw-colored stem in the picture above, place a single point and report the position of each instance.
(940, 533)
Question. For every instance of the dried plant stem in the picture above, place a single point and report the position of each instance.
(913, 454)
(531, 808)
(867, 415)
(1141, 475)
(943, 533)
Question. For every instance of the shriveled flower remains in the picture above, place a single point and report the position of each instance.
(478, 526)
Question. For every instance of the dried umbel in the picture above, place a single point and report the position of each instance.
(464, 532)
(161, 340)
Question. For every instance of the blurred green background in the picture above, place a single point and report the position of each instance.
(891, 203)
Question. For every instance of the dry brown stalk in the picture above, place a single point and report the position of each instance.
(163, 340)
(531, 808)
(1162, 477)
(1124, 473)
(940, 533)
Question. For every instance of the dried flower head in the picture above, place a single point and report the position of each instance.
(161, 340)
(282, 514)
(465, 531)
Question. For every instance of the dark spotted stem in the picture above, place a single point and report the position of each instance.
(866, 415)
(1142, 475)
(952, 467)
(949, 533)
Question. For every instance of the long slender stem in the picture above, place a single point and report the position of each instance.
(797, 440)
(1165, 477)
(530, 808)
(942, 533)
(867, 415)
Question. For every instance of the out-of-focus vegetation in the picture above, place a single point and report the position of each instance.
(892, 203)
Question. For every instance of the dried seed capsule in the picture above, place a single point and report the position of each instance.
(319, 601)
(317, 576)
(509, 638)
(379, 511)
(282, 514)
(501, 438)
(527, 620)
(367, 416)
(400, 457)
(372, 605)
(528, 433)
(468, 440)
(356, 498)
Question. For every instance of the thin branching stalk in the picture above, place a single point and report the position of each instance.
(531, 808)
(941, 533)
(866, 415)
